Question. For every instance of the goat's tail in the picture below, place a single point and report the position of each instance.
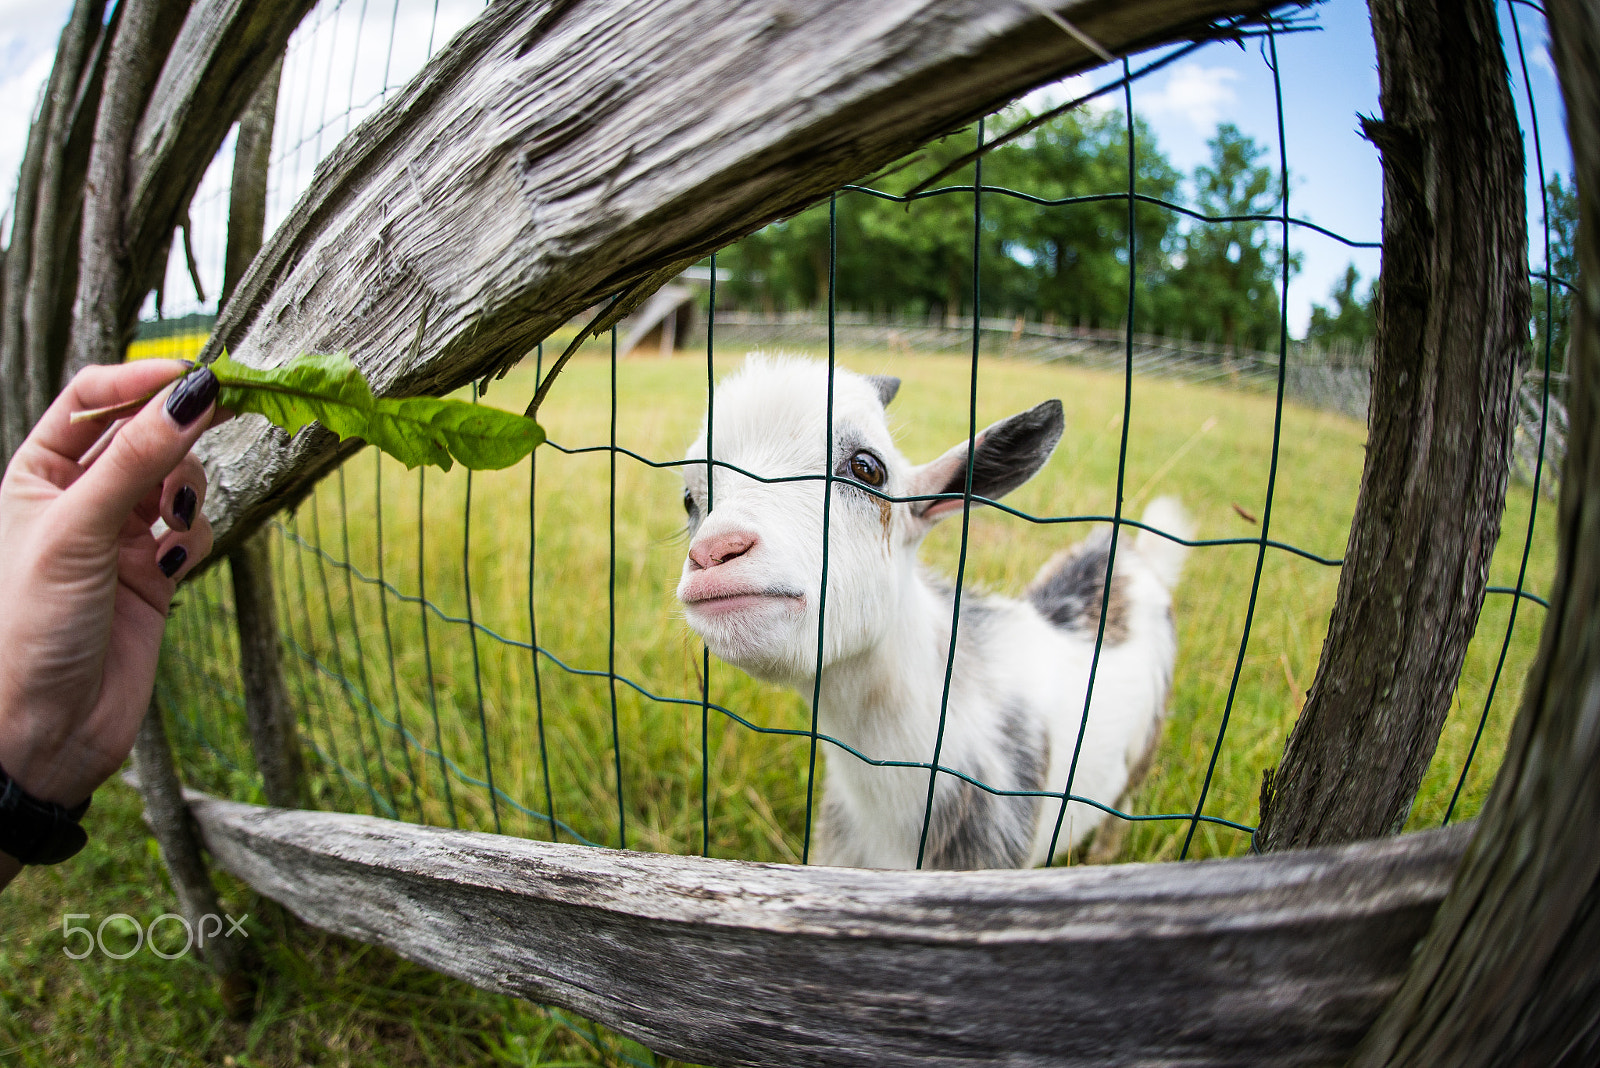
(1164, 555)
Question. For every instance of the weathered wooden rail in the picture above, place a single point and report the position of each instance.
(1283, 960)
(561, 152)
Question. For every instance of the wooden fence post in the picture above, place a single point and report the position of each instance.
(273, 735)
(139, 47)
(1452, 328)
(35, 250)
(114, 181)
(168, 816)
(266, 700)
(247, 193)
(1507, 974)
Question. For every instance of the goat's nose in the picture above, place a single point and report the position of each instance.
(720, 549)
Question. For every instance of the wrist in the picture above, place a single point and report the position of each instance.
(33, 831)
(38, 764)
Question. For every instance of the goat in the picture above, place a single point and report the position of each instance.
(751, 588)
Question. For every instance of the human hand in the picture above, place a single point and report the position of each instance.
(85, 585)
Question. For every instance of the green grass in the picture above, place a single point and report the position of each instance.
(1210, 445)
(321, 1000)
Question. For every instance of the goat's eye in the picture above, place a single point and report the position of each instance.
(868, 468)
(688, 502)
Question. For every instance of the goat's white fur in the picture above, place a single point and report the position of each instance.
(751, 589)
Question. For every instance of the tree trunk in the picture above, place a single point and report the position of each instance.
(1452, 315)
(168, 818)
(1507, 975)
(99, 332)
(271, 718)
(247, 196)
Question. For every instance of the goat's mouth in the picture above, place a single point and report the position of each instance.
(729, 602)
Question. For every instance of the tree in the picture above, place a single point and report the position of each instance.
(1348, 323)
(1224, 285)
(1078, 252)
(1561, 215)
(1064, 259)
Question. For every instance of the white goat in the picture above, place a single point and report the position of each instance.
(751, 585)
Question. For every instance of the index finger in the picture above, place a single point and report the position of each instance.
(97, 387)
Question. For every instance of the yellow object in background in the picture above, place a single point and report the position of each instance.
(176, 347)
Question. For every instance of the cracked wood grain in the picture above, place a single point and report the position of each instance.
(1282, 960)
(1452, 331)
(1507, 975)
(559, 152)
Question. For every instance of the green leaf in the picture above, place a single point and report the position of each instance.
(330, 389)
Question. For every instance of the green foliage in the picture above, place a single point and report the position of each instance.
(1079, 252)
(1063, 260)
(1067, 261)
(1552, 305)
(1212, 445)
(328, 388)
(1348, 323)
(319, 1000)
(1224, 285)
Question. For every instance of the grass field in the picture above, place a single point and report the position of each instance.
(175, 347)
(321, 1000)
(328, 1002)
(1211, 446)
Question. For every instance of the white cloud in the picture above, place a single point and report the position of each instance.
(1192, 92)
(1542, 60)
(28, 26)
(342, 63)
(28, 33)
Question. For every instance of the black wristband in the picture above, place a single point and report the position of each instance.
(38, 832)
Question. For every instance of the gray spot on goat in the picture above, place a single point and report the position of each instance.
(978, 611)
(1071, 588)
(973, 828)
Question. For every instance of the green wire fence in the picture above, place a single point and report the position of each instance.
(428, 648)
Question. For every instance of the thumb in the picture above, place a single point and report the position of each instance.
(144, 452)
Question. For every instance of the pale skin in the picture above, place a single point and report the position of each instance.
(84, 593)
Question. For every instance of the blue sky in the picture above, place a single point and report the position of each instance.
(1328, 77)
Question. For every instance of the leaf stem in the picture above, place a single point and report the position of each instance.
(113, 411)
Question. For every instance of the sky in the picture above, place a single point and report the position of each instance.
(342, 64)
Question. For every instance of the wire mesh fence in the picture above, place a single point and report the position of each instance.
(501, 651)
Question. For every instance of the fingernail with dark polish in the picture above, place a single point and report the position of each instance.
(183, 504)
(193, 396)
(173, 560)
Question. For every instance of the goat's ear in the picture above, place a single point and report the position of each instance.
(886, 385)
(1007, 454)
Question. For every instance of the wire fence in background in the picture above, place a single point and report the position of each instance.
(471, 651)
